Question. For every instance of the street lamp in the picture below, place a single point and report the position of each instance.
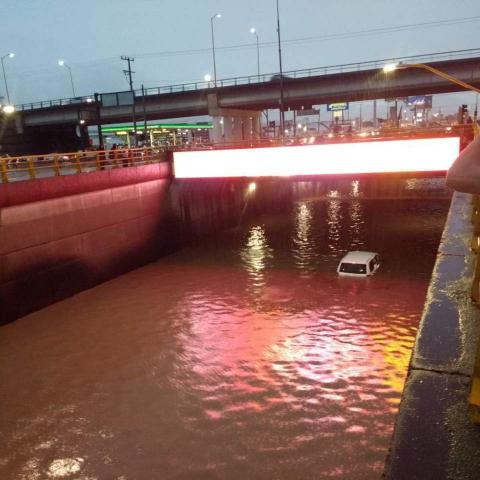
(282, 113)
(8, 55)
(217, 15)
(253, 31)
(391, 67)
(8, 109)
(464, 174)
(62, 63)
(208, 78)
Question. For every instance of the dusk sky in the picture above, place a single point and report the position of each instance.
(171, 40)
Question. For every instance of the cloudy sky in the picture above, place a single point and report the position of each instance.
(171, 40)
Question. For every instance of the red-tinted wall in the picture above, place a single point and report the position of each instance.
(61, 235)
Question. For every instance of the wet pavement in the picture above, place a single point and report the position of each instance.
(434, 436)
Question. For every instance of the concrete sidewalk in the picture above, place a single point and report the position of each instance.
(434, 437)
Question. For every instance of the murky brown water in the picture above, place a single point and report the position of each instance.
(244, 357)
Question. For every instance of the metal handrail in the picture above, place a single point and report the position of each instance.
(474, 396)
(351, 137)
(268, 77)
(34, 166)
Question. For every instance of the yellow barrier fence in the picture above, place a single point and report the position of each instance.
(474, 397)
(32, 167)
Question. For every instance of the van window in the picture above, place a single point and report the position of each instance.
(372, 265)
(358, 268)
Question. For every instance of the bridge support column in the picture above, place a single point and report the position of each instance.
(233, 125)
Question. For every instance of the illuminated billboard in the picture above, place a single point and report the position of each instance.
(422, 101)
(394, 156)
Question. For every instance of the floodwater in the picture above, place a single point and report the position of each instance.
(242, 357)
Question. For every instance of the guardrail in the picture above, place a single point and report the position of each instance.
(269, 77)
(393, 133)
(40, 166)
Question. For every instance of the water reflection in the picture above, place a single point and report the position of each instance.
(355, 211)
(334, 219)
(249, 359)
(304, 248)
(255, 255)
(355, 192)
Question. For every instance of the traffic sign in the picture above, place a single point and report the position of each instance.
(335, 107)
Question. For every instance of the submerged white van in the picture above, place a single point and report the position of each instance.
(359, 264)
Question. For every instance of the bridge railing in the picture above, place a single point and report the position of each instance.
(268, 77)
(392, 133)
(56, 164)
(309, 72)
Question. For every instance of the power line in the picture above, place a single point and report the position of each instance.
(293, 41)
(328, 37)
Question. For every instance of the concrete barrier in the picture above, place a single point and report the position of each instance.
(61, 235)
(434, 437)
(53, 187)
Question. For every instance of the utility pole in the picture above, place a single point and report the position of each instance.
(475, 113)
(144, 117)
(282, 113)
(129, 72)
(99, 120)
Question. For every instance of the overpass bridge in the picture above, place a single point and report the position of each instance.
(44, 123)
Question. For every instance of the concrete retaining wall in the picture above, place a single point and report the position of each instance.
(434, 437)
(54, 187)
(67, 241)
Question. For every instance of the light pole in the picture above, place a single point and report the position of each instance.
(282, 113)
(463, 175)
(61, 63)
(253, 31)
(8, 55)
(391, 67)
(217, 15)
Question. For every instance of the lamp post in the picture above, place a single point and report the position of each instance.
(61, 63)
(8, 55)
(463, 175)
(253, 31)
(391, 67)
(212, 18)
(282, 113)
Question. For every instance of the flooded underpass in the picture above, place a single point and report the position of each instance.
(241, 356)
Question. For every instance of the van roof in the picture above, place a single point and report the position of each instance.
(357, 256)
